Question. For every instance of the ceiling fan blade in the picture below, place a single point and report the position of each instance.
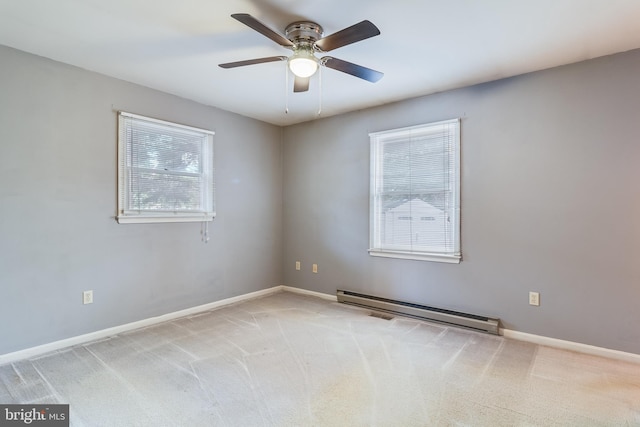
(253, 23)
(252, 61)
(355, 33)
(301, 84)
(353, 69)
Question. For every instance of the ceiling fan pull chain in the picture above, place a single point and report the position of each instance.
(286, 89)
(319, 91)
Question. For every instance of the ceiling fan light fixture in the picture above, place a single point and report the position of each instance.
(303, 63)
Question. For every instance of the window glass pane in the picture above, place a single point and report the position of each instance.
(162, 192)
(156, 148)
(397, 167)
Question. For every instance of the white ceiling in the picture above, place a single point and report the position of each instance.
(425, 46)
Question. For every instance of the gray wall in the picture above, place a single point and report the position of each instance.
(550, 203)
(58, 199)
(550, 199)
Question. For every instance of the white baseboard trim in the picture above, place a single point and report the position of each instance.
(570, 345)
(32, 352)
(310, 293)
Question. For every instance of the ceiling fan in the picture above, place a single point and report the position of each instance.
(305, 39)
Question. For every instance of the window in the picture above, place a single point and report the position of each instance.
(415, 192)
(165, 171)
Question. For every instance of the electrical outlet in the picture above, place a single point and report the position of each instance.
(87, 297)
(534, 298)
(314, 268)
(297, 265)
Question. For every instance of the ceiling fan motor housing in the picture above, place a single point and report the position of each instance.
(303, 32)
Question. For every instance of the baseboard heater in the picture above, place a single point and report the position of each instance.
(479, 323)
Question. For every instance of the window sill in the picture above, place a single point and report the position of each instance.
(149, 219)
(451, 259)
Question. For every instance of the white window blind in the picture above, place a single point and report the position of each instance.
(165, 171)
(415, 192)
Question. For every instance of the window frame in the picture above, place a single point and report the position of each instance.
(128, 215)
(377, 143)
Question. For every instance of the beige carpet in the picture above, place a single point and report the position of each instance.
(291, 360)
